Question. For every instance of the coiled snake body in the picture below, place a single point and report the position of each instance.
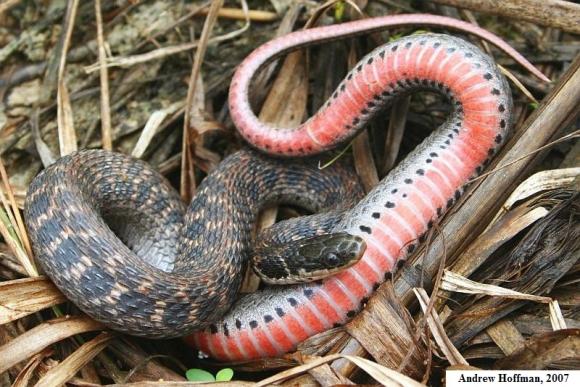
(390, 219)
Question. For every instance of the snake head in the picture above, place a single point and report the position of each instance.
(308, 259)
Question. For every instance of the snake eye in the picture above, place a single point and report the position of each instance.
(332, 259)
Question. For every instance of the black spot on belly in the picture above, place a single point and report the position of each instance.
(498, 139)
(376, 215)
(389, 204)
(351, 313)
(487, 76)
(308, 293)
(226, 330)
(268, 318)
(420, 172)
(292, 301)
(365, 229)
(501, 108)
(370, 60)
(280, 312)
(253, 324)
(213, 329)
(238, 324)
(408, 181)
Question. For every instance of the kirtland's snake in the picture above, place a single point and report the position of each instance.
(106, 279)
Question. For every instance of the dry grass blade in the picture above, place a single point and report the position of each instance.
(19, 298)
(543, 181)
(399, 348)
(153, 123)
(66, 132)
(394, 136)
(104, 74)
(518, 84)
(384, 375)
(41, 336)
(453, 282)
(499, 233)
(60, 374)
(12, 226)
(556, 317)
(187, 183)
(437, 330)
(28, 371)
(363, 161)
(285, 104)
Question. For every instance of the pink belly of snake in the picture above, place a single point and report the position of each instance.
(392, 217)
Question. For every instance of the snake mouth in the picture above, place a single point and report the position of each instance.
(309, 259)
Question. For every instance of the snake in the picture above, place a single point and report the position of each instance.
(116, 239)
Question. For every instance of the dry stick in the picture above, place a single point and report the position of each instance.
(556, 111)
(187, 183)
(551, 13)
(104, 73)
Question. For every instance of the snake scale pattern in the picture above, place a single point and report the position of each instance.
(391, 219)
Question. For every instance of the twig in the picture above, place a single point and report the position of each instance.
(240, 14)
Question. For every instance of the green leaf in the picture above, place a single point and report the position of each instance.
(197, 375)
(224, 375)
(339, 9)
